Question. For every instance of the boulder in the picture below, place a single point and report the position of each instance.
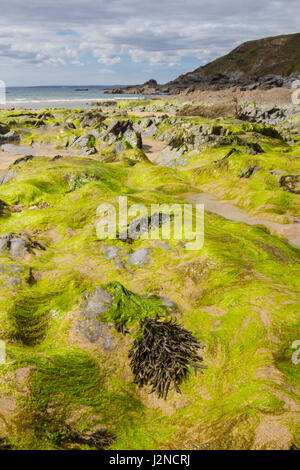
(119, 127)
(290, 183)
(172, 158)
(249, 171)
(111, 252)
(18, 245)
(12, 275)
(7, 176)
(96, 304)
(86, 143)
(10, 137)
(141, 225)
(150, 130)
(92, 119)
(90, 324)
(133, 138)
(139, 257)
(122, 133)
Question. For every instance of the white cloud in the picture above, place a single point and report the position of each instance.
(159, 33)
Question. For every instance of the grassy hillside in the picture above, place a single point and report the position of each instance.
(272, 55)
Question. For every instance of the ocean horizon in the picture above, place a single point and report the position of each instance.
(67, 96)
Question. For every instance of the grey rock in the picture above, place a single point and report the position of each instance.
(269, 115)
(119, 127)
(92, 119)
(290, 183)
(12, 275)
(8, 175)
(249, 171)
(95, 330)
(97, 304)
(165, 246)
(89, 151)
(111, 252)
(9, 137)
(141, 225)
(171, 158)
(86, 143)
(18, 246)
(90, 324)
(150, 131)
(139, 257)
(14, 281)
(133, 138)
(278, 172)
(119, 147)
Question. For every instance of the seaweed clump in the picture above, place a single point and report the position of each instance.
(99, 439)
(163, 354)
(4, 444)
(129, 307)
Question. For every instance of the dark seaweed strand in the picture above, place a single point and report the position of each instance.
(163, 354)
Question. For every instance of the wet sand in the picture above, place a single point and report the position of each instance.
(291, 232)
(152, 148)
(10, 153)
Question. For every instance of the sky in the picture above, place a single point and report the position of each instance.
(97, 42)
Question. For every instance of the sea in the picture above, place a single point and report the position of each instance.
(67, 97)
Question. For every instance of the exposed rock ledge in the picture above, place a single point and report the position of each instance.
(149, 88)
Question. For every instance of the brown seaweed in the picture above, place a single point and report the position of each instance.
(163, 355)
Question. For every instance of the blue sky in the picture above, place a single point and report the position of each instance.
(45, 42)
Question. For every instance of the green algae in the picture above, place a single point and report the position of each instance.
(239, 296)
(129, 308)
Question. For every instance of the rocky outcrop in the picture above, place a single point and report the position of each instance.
(270, 115)
(18, 245)
(219, 81)
(122, 134)
(86, 143)
(10, 137)
(290, 183)
(7, 176)
(151, 87)
(92, 119)
(13, 275)
(264, 63)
